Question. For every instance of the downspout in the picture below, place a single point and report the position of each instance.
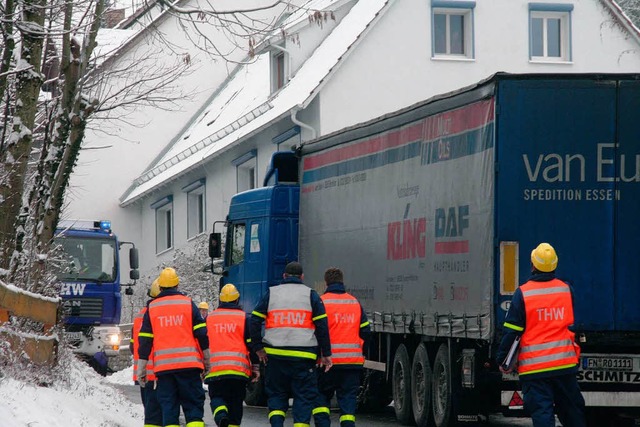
(295, 120)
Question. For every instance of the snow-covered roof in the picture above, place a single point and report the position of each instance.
(108, 41)
(248, 114)
(625, 21)
(300, 18)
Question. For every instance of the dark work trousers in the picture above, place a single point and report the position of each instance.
(296, 377)
(181, 389)
(345, 383)
(227, 395)
(540, 396)
(152, 409)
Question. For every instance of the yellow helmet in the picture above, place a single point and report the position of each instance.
(168, 278)
(203, 305)
(544, 258)
(154, 290)
(229, 293)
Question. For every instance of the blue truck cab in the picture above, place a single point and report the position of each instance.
(91, 288)
(262, 231)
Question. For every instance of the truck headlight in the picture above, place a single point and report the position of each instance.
(113, 339)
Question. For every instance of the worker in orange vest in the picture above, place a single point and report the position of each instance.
(175, 330)
(232, 364)
(541, 313)
(152, 410)
(349, 331)
(204, 309)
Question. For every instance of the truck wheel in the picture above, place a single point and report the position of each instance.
(256, 395)
(442, 387)
(402, 386)
(421, 387)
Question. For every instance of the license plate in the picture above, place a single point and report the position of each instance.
(608, 363)
(74, 336)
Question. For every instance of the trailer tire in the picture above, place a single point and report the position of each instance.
(256, 396)
(421, 379)
(402, 386)
(442, 396)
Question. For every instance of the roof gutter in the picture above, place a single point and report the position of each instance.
(624, 19)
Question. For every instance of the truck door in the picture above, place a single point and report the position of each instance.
(556, 184)
(251, 290)
(235, 255)
(627, 215)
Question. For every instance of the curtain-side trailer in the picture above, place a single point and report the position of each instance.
(432, 212)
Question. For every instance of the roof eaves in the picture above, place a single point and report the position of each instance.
(281, 32)
(126, 201)
(622, 17)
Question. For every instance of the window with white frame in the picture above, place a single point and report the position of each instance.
(164, 223)
(246, 166)
(196, 217)
(452, 29)
(550, 32)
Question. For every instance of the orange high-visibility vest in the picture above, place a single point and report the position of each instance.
(174, 346)
(289, 318)
(343, 314)
(547, 344)
(135, 331)
(229, 354)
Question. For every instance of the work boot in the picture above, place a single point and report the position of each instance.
(224, 422)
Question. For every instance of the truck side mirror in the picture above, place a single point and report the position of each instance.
(128, 291)
(134, 274)
(215, 248)
(133, 258)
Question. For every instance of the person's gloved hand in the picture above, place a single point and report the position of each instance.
(141, 372)
(255, 373)
(206, 355)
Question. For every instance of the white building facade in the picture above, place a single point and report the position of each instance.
(369, 58)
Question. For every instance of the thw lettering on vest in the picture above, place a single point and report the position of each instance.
(287, 319)
(554, 313)
(169, 321)
(225, 328)
(344, 318)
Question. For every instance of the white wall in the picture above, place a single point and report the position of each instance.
(119, 145)
(392, 67)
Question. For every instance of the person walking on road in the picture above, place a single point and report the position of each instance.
(349, 331)
(541, 313)
(296, 333)
(204, 309)
(174, 329)
(152, 409)
(231, 360)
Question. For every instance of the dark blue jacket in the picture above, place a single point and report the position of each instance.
(317, 309)
(517, 316)
(146, 343)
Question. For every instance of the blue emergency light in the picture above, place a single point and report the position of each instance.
(105, 225)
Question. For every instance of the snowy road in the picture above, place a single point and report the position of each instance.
(257, 417)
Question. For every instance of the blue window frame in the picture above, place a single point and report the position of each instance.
(550, 32)
(452, 29)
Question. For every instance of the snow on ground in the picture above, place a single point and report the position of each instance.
(85, 400)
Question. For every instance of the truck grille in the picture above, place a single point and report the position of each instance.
(83, 307)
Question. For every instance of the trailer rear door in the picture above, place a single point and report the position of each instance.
(627, 232)
(556, 183)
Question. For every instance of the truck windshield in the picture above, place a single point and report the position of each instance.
(88, 259)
